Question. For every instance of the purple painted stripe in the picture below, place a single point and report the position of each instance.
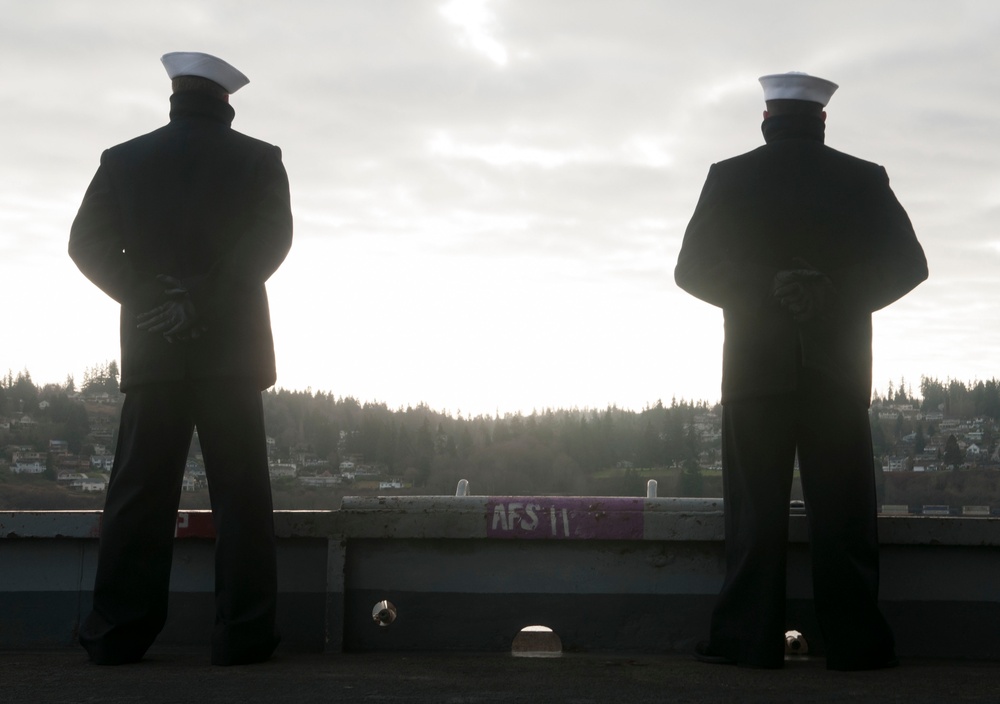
(546, 517)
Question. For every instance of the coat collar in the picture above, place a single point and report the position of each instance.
(193, 105)
(779, 127)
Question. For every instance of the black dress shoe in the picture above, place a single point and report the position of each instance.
(249, 654)
(103, 653)
(855, 665)
(703, 653)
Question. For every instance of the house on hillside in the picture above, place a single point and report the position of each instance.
(897, 464)
(102, 462)
(282, 470)
(89, 484)
(71, 462)
(27, 463)
(66, 476)
(325, 479)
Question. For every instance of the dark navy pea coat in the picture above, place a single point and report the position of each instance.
(200, 202)
(794, 198)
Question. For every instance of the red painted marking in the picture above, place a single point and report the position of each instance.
(194, 525)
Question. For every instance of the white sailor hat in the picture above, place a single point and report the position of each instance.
(795, 85)
(195, 63)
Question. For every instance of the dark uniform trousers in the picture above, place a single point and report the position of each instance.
(759, 442)
(140, 516)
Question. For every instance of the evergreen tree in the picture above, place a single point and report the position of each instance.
(935, 397)
(24, 393)
(650, 454)
(952, 452)
(692, 481)
(880, 445)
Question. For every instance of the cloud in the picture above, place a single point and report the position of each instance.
(504, 154)
(476, 21)
(452, 161)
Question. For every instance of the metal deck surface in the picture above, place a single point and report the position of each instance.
(185, 675)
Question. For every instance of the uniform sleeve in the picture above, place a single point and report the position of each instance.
(96, 245)
(258, 251)
(706, 267)
(896, 263)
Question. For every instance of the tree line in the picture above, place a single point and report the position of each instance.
(953, 398)
(549, 451)
(556, 451)
(56, 415)
(553, 451)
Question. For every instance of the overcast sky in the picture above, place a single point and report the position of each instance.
(489, 197)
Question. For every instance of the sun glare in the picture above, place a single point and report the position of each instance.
(476, 21)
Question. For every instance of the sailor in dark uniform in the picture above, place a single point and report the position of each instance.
(798, 244)
(182, 226)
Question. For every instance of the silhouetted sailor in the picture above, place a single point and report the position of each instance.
(798, 244)
(182, 226)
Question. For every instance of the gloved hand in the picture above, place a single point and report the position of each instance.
(176, 319)
(804, 292)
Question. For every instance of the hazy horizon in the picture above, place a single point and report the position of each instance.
(912, 390)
